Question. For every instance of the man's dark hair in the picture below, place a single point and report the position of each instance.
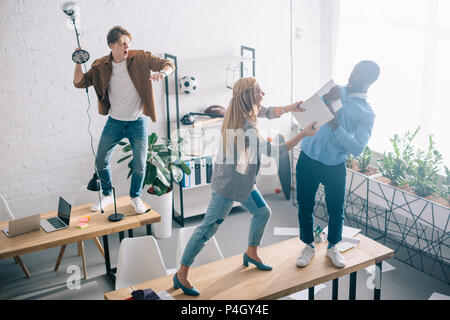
(371, 71)
(115, 33)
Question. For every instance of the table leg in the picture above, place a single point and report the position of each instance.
(149, 229)
(83, 257)
(352, 295)
(22, 265)
(335, 289)
(130, 233)
(377, 290)
(121, 235)
(107, 259)
(311, 293)
(61, 253)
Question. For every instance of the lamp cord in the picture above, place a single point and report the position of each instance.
(89, 117)
(87, 94)
(89, 120)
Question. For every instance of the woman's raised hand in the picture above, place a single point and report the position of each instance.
(295, 107)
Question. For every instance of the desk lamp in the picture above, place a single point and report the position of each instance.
(94, 185)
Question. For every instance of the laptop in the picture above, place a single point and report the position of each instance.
(22, 225)
(61, 221)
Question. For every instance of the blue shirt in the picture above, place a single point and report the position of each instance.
(355, 120)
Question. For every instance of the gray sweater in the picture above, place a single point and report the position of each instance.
(234, 176)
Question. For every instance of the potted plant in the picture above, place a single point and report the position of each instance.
(444, 189)
(423, 171)
(164, 167)
(395, 166)
(364, 160)
(358, 169)
(361, 163)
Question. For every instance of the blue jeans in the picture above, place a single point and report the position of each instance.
(113, 132)
(218, 209)
(310, 173)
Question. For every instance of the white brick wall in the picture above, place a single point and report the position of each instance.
(44, 145)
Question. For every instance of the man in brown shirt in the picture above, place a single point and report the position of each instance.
(123, 83)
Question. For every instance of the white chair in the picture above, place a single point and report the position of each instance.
(6, 215)
(211, 252)
(139, 260)
(83, 196)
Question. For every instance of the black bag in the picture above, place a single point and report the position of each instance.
(147, 294)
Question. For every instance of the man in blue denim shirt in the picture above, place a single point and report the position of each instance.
(322, 159)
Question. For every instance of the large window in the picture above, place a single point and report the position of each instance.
(410, 40)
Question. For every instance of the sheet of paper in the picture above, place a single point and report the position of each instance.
(278, 231)
(347, 243)
(315, 110)
(345, 246)
(347, 232)
(164, 295)
(325, 88)
(385, 267)
(438, 296)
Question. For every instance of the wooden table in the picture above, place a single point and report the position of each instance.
(229, 279)
(98, 225)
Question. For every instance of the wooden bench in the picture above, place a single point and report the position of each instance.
(228, 279)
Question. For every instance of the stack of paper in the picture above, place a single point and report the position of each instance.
(316, 109)
(348, 238)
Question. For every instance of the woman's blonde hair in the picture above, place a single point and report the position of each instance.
(242, 108)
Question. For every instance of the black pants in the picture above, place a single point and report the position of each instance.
(309, 174)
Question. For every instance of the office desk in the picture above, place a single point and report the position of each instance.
(98, 225)
(229, 279)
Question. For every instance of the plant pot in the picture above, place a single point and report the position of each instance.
(163, 206)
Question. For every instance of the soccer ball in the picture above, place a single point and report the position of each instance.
(188, 84)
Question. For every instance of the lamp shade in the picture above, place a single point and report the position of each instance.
(94, 184)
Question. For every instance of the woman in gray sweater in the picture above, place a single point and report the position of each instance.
(235, 172)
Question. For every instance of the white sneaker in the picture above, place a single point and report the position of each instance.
(105, 200)
(306, 256)
(138, 205)
(335, 256)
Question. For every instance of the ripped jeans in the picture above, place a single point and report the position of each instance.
(218, 209)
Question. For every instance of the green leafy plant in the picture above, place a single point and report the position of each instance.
(364, 159)
(444, 189)
(349, 161)
(396, 165)
(164, 164)
(423, 171)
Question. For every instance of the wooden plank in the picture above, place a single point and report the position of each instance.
(99, 225)
(229, 279)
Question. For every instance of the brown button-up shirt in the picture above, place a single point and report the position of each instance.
(139, 64)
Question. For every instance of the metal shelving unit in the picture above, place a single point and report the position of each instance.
(243, 58)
